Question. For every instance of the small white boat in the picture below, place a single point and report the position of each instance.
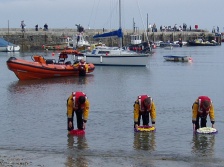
(79, 41)
(157, 43)
(16, 48)
(178, 58)
(184, 43)
(6, 46)
(10, 48)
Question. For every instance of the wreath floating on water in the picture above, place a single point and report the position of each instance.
(145, 129)
(207, 130)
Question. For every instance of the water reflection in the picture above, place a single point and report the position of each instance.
(20, 85)
(203, 145)
(76, 144)
(82, 80)
(77, 162)
(144, 141)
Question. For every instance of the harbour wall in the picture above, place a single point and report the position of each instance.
(34, 40)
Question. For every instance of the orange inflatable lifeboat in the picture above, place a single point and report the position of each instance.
(41, 68)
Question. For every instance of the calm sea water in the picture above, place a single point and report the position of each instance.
(33, 114)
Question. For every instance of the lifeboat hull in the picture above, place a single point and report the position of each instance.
(26, 70)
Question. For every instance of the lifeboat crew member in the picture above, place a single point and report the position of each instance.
(144, 106)
(79, 104)
(201, 108)
(83, 67)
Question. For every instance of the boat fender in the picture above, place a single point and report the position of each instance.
(101, 59)
(68, 63)
(49, 61)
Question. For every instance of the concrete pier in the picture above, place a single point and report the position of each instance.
(34, 40)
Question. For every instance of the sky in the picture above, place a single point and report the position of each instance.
(99, 14)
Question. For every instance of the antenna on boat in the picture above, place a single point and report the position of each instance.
(143, 23)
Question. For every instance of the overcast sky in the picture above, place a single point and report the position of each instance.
(97, 14)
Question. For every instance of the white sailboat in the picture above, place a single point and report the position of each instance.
(115, 56)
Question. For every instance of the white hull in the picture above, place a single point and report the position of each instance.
(9, 48)
(3, 48)
(80, 42)
(16, 48)
(116, 57)
(138, 60)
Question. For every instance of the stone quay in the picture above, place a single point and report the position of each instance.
(34, 40)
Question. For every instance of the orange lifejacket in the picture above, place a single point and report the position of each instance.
(142, 107)
(201, 110)
(76, 104)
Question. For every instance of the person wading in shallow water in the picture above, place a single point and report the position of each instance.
(143, 107)
(201, 108)
(79, 104)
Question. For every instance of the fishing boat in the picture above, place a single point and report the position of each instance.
(115, 56)
(200, 42)
(41, 68)
(70, 51)
(64, 43)
(178, 58)
(138, 45)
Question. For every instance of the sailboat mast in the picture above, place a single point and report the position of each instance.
(120, 22)
(119, 13)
